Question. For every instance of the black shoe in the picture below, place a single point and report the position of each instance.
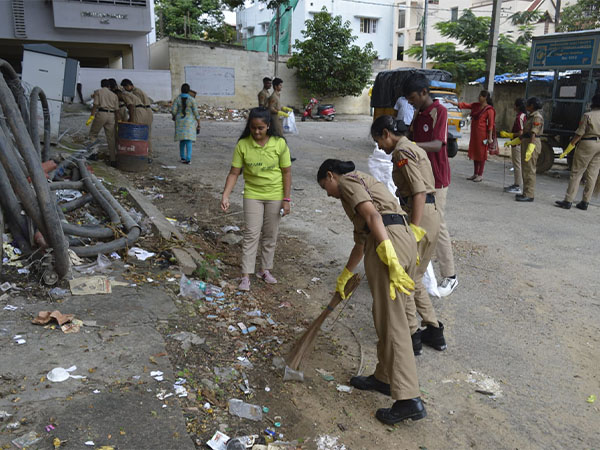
(563, 204)
(370, 383)
(402, 410)
(113, 164)
(582, 205)
(149, 160)
(434, 337)
(522, 198)
(292, 159)
(416, 343)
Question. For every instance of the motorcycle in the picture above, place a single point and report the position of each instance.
(326, 112)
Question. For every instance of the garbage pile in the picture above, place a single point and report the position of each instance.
(48, 190)
(207, 112)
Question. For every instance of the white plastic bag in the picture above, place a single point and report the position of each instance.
(430, 281)
(289, 124)
(380, 166)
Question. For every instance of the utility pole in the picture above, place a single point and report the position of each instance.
(276, 49)
(490, 72)
(557, 16)
(424, 51)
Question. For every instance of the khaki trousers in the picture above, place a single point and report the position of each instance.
(528, 167)
(586, 160)
(105, 120)
(260, 216)
(443, 250)
(145, 116)
(395, 359)
(277, 124)
(515, 156)
(430, 222)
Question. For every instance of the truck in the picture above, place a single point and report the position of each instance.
(564, 72)
(389, 85)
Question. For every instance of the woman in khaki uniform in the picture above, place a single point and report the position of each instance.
(531, 146)
(586, 159)
(413, 177)
(383, 237)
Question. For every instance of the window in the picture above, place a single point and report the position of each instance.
(454, 14)
(265, 27)
(400, 53)
(368, 25)
(250, 31)
(402, 19)
(419, 36)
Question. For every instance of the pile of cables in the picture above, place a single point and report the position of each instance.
(29, 203)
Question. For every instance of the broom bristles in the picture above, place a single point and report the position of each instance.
(304, 345)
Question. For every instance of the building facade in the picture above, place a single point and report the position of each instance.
(98, 33)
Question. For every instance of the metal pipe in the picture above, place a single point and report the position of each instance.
(92, 189)
(38, 94)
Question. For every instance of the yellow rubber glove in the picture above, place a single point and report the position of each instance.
(568, 150)
(399, 279)
(529, 152)
(418, 232)
(287, 109)
(282, 114)
(506, 134)
(340, 284)
(90, 120)
(515, 141)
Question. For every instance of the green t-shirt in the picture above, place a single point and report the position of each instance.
(262, 167)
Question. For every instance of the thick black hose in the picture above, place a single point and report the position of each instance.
(54, 234)
(10, 204)
(92, 189)
(127, 220)
(92, 231)
(14, 84)
(56, 185)
(108, 247)
(38, 93)
(77, 203)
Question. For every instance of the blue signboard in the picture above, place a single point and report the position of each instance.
(574, 52)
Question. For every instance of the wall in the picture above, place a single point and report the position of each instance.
(249, 68)
(155, 83)
(504, 98)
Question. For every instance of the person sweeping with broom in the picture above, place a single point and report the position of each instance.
(383, 237)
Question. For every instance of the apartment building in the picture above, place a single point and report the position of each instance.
(98, 33)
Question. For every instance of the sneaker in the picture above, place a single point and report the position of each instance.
(514, 189)
(266, 276)
(434, 337)
(402, 410)
(447, 286)
(244, 284)
(370, 383)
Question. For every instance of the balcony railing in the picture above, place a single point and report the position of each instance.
(142, 3)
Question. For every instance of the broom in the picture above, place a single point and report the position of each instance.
(305, 344)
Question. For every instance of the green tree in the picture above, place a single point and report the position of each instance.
(472, 33)
(192, 19)
(327, 63)
(583, 15)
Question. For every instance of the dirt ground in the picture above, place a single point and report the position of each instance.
(522, 325)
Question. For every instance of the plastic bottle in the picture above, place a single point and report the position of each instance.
(191, 288)
(245, 410)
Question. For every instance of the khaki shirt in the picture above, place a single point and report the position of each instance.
(263, 98)
(274, 103)
(142, 96)
(534, 124)
(106, 99)
(411, 171)
(139, 112)
(358, 187)
(589, 126)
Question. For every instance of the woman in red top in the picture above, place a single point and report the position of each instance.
(483, 139)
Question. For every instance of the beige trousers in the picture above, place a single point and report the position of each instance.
(395, 358)
(260, 216)
(430, 222)
(515, 156)
(529, 167)
(443, 249)
(586, 160)
(105, 120)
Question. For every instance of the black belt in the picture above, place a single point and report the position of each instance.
(142, 106)
(526, 135)
(595, 138)
(429, 198)
(105, 110)
(393, 219)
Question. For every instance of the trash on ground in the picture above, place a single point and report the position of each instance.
(140, 253)
(19, 339)
(245, 410)
(188, 339)
(163, 395)
(72, 327)
(67, 195)
(27, 440)
(59, 374)
(344, 388)
(45, 317)
(591, 399)
(218, 441)
(56, 293)
(303, 292)
(89, 443)
(230, 228)
(4, 415)
(102, 265)
(293, 375)
(226, 373)
(157, 375)
(327, 376)
(180, 391)
(326, 442)
(90, 285)
(10, 308)
(486, 385)
(6, 286)
(190, 288)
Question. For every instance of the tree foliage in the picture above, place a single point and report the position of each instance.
(583, 15)
(468, 63)
(271, 4)
(327, 62)
(192, 19)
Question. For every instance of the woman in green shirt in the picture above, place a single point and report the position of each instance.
(264, 158)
